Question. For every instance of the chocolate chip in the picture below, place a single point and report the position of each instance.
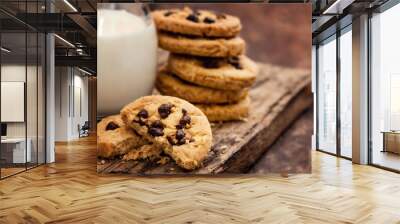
(168, 13)
(193, 18)
(180, 134)
(208, 20)
(143, 113)
(234, 59)
(157, 124)
(171, 140)
(235, 62)
(184, 112)
(156, 129)
(111, 126)
(237, 66)
(185, 120)
(179, 126)
(156, 132)
(210, 63)
(221, 16)
(191, 140)
(181, 141)
(164, 110)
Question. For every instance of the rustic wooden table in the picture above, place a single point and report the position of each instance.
(278, 97)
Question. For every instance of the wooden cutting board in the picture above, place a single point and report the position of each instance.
(278, 97)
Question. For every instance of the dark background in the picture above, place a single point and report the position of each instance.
(279, 34)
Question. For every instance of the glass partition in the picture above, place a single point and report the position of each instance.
(13, 90)
(22, 77)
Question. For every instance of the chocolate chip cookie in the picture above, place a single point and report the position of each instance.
(150, 152)
(201, 23)
(178, 127)
(226, 112)
(222, 47)
(169, 84)
(114, 138)
(234, 73)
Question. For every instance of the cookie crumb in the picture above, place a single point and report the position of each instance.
(164, 160)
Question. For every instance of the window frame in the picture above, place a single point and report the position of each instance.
(338, 33)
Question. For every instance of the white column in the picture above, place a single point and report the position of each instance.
(50, 99)
(360, 90)
(314, 91)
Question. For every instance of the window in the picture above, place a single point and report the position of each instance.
(327, 96)
(346, 75)
(335, 74)
(385, 89)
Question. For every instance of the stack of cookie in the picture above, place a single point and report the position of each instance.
(206, 65)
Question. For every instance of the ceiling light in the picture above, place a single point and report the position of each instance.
(84, 71)
(5, 50)
(65, 41)
(337, 7)
(70, 5)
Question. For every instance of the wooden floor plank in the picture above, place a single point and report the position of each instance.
(70, 191)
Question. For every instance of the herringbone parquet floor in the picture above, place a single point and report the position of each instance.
(70, 191)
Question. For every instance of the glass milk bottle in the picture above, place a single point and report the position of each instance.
(126, 55)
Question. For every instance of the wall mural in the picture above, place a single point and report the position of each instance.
(201, 88)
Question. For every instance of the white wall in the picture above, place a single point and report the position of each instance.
(70, 83)
(14, 73)
(62, 81)
(17, 73)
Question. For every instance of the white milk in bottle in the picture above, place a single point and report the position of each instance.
(126, 59)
